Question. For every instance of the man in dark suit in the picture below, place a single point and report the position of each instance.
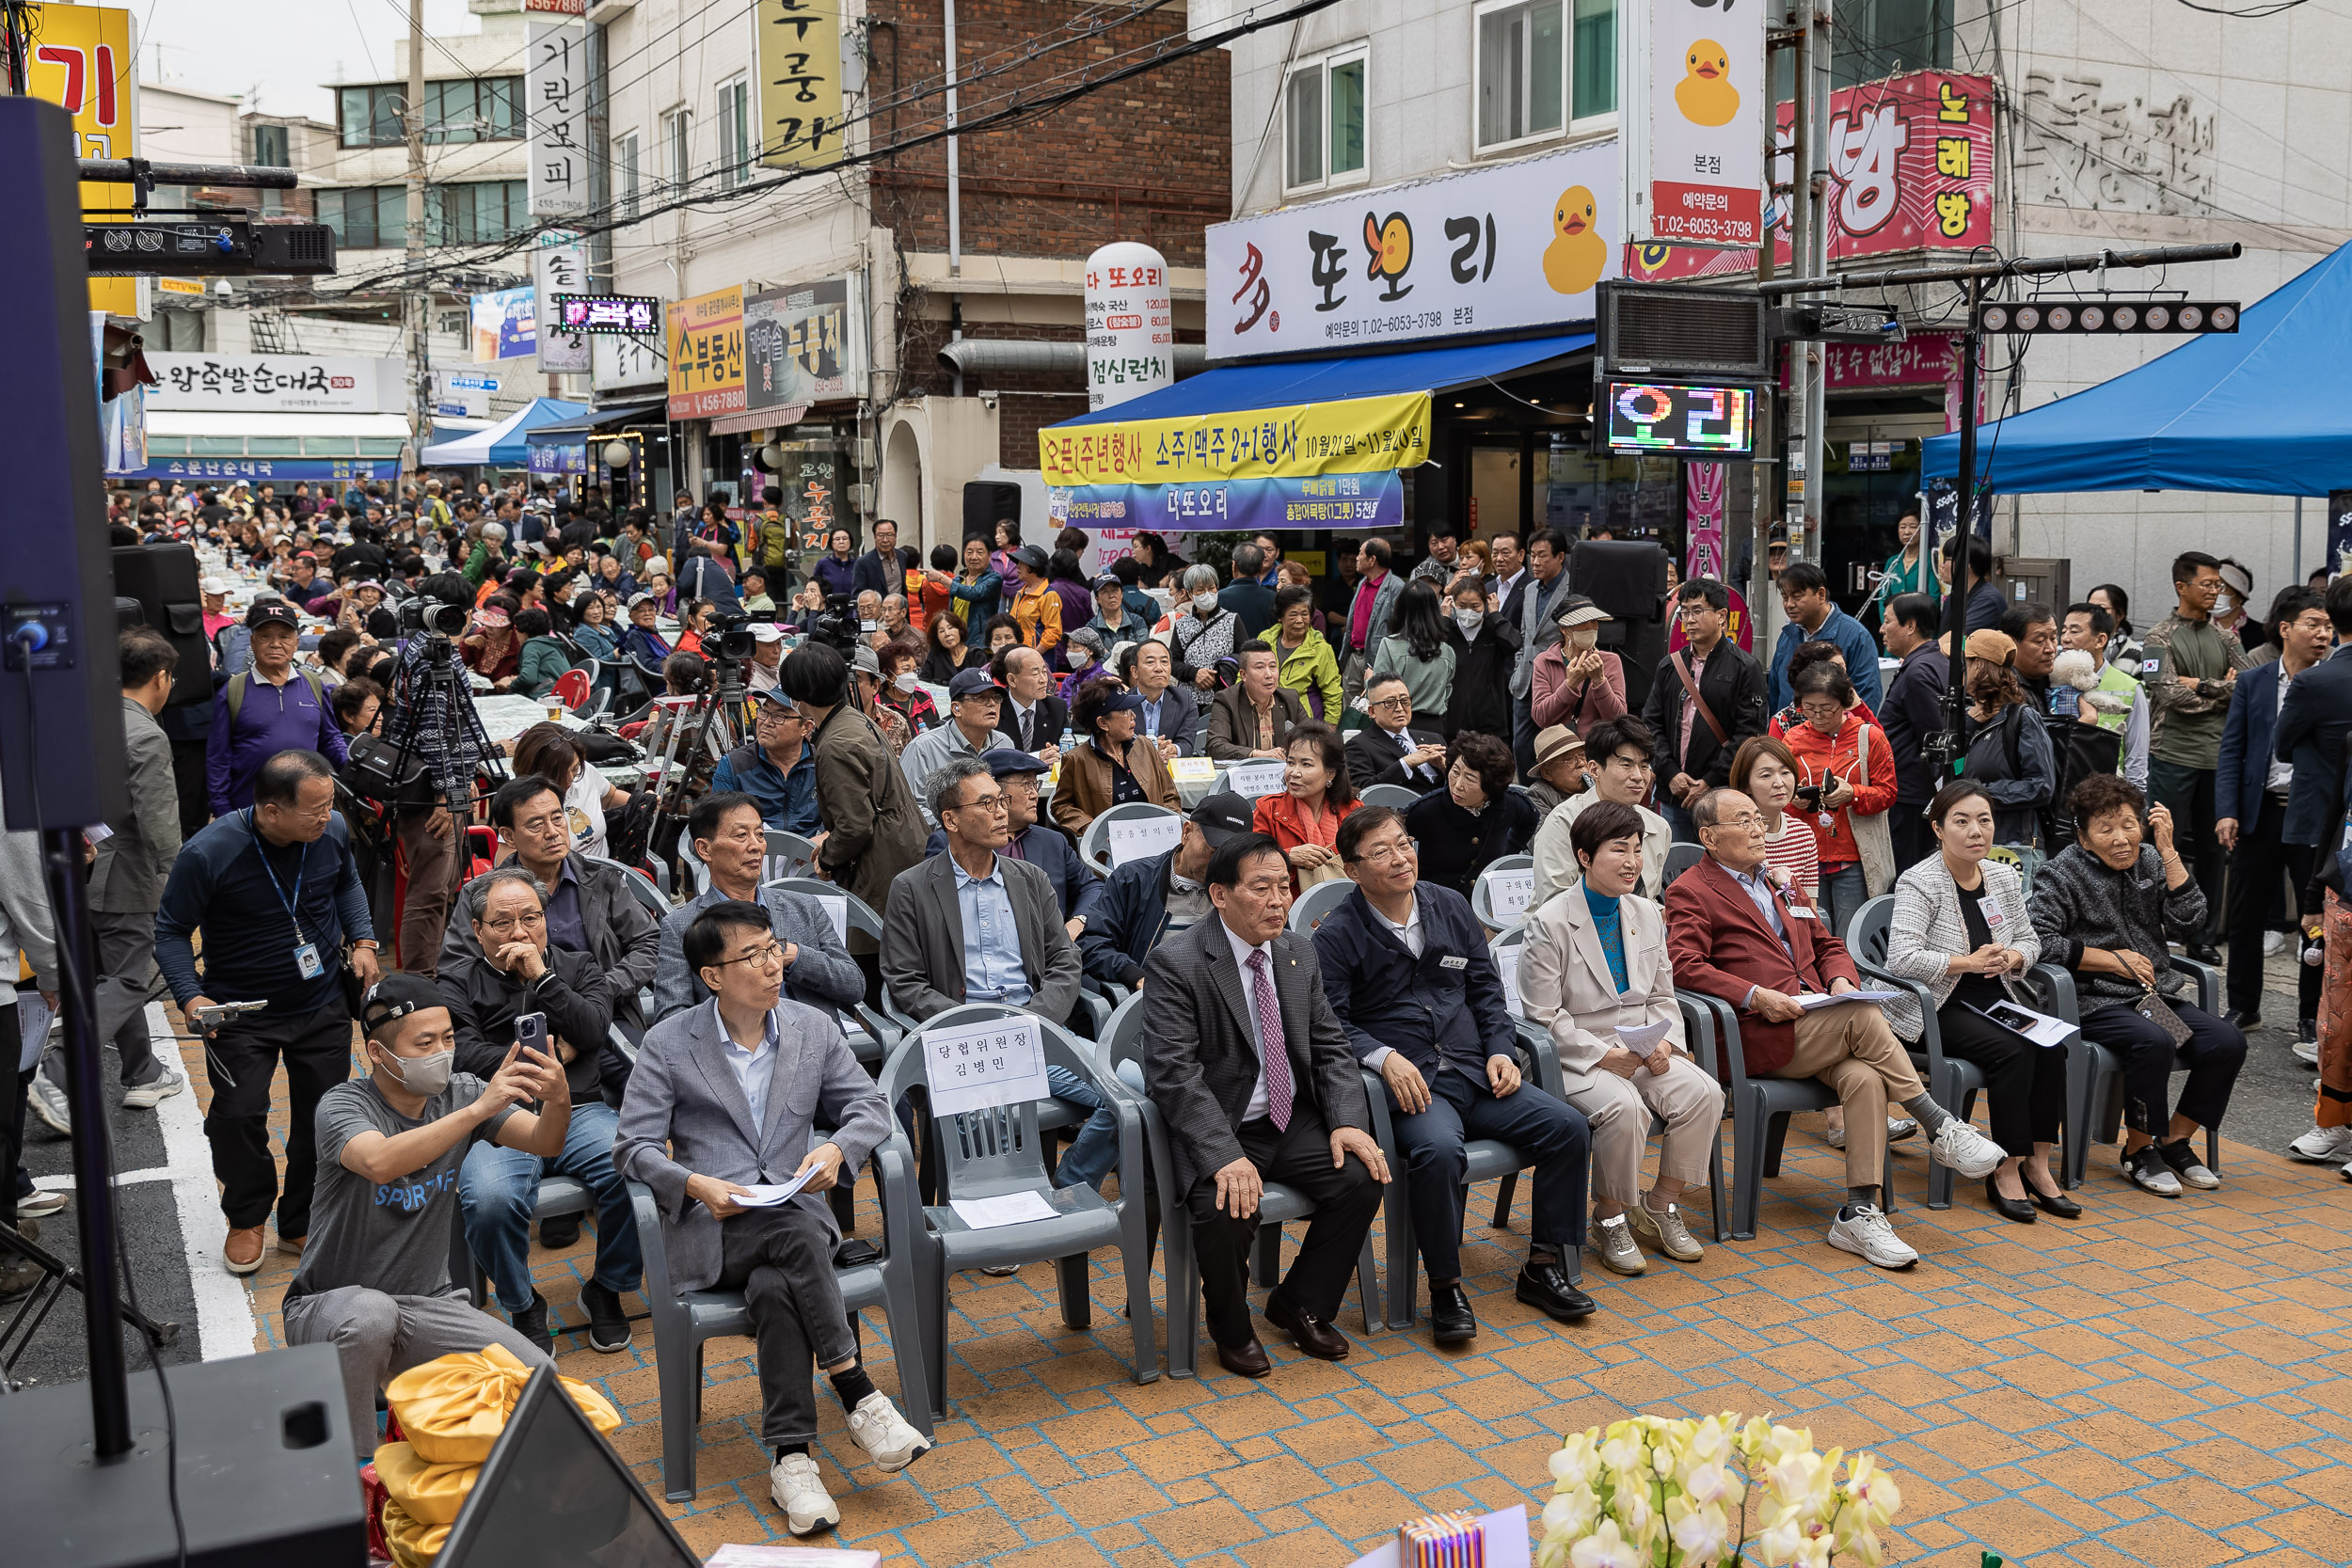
(1031, 714)
(884, 568)
(1250, 600)
(1741, 931)
(1252, 719)
(1252, 1073)
(2250, 795)
(1410, 979)
(1913, 710)
(1695, 744)
(1390, 751)
(2313, 725)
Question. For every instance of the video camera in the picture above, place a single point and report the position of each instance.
(422, 613)
(838, 626)
(732, 638)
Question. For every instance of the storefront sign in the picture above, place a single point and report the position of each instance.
(1131, 324)
(1661, 417)
(1374, 500)
(1911, 167)
(1660, 262)
(705, 338)
(1706, 490)
(505, 325)
(551, 460)
(559, 267)
(82, 58)
(276, 383)
(800, 83)
(1358, 435)
(464, 394)
(1695, 136)
(555, 97)
(1517, 245)
(1922, 360)
(634, 315)
(800, 346)
(618, 364)
(253, 471)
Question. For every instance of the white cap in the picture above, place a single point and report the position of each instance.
(214, 585)
(766, 631)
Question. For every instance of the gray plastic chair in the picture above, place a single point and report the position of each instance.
(1954, 1083)
(996, 1152)
(558, 1194)
(1395, 795)
(1680, 859)
(1311, 907)
(1121, 1051)
(2094, 1075)
(1760, 1109)
(682, 1323)
(787, 855)
(1094, 845)
(873, 1033)
(1481, 892)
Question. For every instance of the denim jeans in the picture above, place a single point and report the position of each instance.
(1843, 892)
(498, 1188)
(1681, 826)
(1094, 1152)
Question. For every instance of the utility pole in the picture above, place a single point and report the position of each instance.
(1809, 257)
(418, 304)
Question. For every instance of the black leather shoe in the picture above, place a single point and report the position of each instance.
(558, 1232)
(2017, 1208)
(2056, 1205)
(1310, 1334)
(1245, 1360)
(1451, 1320)
(2244, 1019)
(2204, 952)
(1548, 1287)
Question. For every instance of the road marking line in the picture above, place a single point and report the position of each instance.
(224, 1309)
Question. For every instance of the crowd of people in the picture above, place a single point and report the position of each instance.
(531, 1015)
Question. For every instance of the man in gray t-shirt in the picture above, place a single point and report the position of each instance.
(375, 1276)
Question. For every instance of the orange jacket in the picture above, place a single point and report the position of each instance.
(1821, 757)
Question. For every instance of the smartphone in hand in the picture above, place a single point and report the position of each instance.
(531, 1032)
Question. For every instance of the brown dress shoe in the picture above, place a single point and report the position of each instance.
(292, 1244)
(1245, 1360)
(1312, 1334)
(243, 1252)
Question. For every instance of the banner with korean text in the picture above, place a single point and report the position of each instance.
(1695, 85)
(559, 266)
(705, 338)
(82, 58)
(1911, 167)
(800, 83)
(555, 94)
(1357, 436)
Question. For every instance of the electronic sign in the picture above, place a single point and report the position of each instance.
(631, 314)
(1675, 417)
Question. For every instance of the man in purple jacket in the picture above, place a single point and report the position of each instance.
(272, 708)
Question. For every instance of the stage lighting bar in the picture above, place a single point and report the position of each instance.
(2109, 317)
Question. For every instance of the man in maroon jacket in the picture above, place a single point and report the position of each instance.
(1738, 929)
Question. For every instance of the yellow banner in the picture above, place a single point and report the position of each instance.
(706, 336)
(1355, 436)
(800, 83)
(82, 59)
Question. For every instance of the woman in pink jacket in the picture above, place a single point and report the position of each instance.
(1575, 684)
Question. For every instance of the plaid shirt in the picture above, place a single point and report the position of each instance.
(422, 720)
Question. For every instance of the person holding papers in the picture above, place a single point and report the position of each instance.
(1594, 973)
(1960, 928)
(1736, 929)
(724, 1099)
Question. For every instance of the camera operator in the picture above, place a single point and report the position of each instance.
(426, 725)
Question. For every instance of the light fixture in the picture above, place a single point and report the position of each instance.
(2127, 317)
(617, 454)
(2225, 318)
(2060, 318)
(2158, 318)
(1995, 318)
(2192, 317)
(2028, 317)
(1458, 406)
(2095, 317)
(772, 458)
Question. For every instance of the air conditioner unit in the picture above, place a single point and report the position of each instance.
(865, 455)
(861, 498)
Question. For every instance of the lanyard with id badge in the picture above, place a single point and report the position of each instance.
(306, 954)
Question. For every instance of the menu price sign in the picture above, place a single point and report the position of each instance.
(1139, 838)
(977, 1066)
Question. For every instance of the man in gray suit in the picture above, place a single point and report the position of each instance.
(1251, 1071)
(731, 841)
(726, 1097)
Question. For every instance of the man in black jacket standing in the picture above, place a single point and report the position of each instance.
(1697, 742)
(884, 568)
(1913, 710)
(519, 974)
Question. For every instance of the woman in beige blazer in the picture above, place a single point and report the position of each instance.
(1595, 962)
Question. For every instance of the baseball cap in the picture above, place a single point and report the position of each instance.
(766, 631)
(1125, 702)
(972, 682)
(394, 996)
(1109, 579)
(1002, 760)
(1986, 643)
(866, 661)
(273, 613)
(1577, 610)
(638, 598)
(214, 585)
(1556, 741)
(1031, 557)
(1222, 816)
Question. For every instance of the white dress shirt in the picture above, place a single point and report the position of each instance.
(752, 1067)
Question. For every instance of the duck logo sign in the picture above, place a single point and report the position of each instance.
(1692, 81)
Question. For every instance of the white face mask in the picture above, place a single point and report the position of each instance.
(2222, 603)
(1204, 604)
(1470, 620)
(905, 680)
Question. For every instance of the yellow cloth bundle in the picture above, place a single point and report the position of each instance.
(413, 1541)
(451, 1410)
(430, 1493)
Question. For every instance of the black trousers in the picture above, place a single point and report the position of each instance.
(2212, 1053)
(2255, 869)
(781, 1259)
(1915, 840)
(316, 1047)
(2024, 1084)
(2187, 794)
(11, 1114)
(1345, 1198)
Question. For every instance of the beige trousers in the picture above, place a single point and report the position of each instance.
(1619, 1109)
(1850, 1049)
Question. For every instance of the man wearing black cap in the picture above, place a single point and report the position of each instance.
(1077, 891)
(974, 702)
(374, 1281)
(272, 707)
(1145, 899)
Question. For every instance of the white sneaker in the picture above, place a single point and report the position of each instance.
(793, 1482)
(1961, 1147)
(2323, 1146)
(2274, 943)
(2306, 1051)
(49, 1102)
(162, 1087)
(886, 1435)
(1861, 1230)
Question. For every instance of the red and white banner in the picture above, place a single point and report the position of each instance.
(1911, 167)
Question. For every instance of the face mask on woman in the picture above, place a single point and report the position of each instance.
(904, 680)
(1470, 620)
(1204, 604)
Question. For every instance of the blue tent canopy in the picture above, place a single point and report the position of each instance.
(501, 445)
(2263, 411)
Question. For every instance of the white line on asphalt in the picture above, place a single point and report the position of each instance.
(64, 1184)
(224, 1309)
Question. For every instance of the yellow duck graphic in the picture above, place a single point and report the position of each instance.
(1577, 256)
(1706, 95)
(1390, 246)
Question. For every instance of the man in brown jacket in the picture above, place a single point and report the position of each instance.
(873, 828)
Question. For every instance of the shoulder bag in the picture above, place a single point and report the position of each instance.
(1682, 668)
(1872, 835)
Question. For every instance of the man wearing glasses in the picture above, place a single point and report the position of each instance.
(520, 975)
(1392, 752)
(1618, 760)
(778, 769)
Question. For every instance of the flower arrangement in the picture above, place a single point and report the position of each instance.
(1658, 1493)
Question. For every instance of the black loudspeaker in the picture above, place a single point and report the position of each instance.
(986, 502)
(163, 579)
(265, 1460)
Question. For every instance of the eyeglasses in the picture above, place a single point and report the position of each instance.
(1379, 703)
(770, 956)
(1745, 819)
(1390, 854)
(515, 923)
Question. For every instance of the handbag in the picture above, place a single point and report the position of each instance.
(2156, 1010)
(1872, 835)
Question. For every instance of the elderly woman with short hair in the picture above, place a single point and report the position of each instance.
(1115, 766)
(1476, 819)
(1202, 634)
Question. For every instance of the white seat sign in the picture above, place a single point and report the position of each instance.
(1509, 893)
(1139, 838)
(1249, 779)
(973, 1067)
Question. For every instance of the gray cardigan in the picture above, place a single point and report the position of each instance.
(1927, 928)
(2079, 903)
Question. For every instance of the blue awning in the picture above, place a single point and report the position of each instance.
(1232, 388)
(2263, 411)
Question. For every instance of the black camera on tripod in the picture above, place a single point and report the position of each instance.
(424, 614)
(732, 638)
(838, 624)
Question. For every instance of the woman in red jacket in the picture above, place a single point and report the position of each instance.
(1317, 797)
(1831, 784)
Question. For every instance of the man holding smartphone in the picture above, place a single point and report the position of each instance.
(517, 987)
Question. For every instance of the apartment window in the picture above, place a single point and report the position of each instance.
(272, 148)
(1878, 37)
(1543, 67)
(677, 130)
(625, 174)
(735, 134)
(468, 110)
(375, 217)
(1323, 122)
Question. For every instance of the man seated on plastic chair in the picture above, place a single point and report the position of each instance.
(1740, 930)
(973, 924)
(728, 837)
(726, 1097)
(518, 973)
(1408, 971)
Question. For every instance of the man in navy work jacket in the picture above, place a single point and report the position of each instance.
(1409, 973)
(1145, 899)
(2250, 796)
